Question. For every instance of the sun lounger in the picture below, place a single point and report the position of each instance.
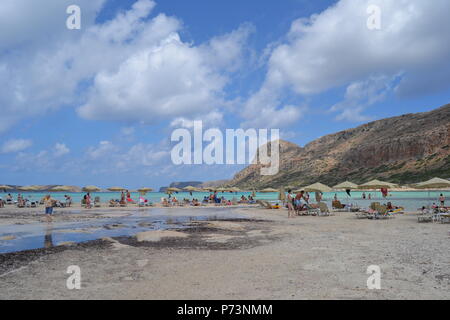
(323, 209)
(445, 218)
(264, 204)
(97, 202)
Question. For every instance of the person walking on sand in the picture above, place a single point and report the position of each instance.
(290, 204)
(48, 203)
(442, 200)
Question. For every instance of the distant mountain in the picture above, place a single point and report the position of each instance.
(181, 185)
(405, 149)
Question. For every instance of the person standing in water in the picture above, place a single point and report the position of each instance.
(48, 203)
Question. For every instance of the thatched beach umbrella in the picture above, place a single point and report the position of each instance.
(317, 187)
(62, 189)
(143, 191)
(376, 184)
(5, 187)
(190, 189)
(346, 185)
(435, 183)
(27, 188)
(91, 189)
(116, 189)
(173, 189)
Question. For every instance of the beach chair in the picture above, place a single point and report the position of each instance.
(337, 206)
(112, 203)
(362, 215)
(264, 204)
(97, 202)
(445, 218)
(323, 209)
(310, 211)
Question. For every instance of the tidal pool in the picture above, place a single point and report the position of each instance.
(45, 235)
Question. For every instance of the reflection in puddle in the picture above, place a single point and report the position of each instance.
(46, 235)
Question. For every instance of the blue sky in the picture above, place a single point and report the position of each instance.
(98, 105)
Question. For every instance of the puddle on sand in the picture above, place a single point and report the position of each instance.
(45, 235)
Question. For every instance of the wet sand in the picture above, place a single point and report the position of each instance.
(264, 256)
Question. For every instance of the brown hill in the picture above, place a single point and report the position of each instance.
(405, 149)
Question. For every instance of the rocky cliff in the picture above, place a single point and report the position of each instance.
(405, 149)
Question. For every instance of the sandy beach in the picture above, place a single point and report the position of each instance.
(262, 256)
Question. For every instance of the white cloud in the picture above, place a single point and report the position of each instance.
(210, 119)
(60, 149)
(335, 48)
(16, 145)
(132, 68)
(361, 94)
(104, 148)
(127, 131)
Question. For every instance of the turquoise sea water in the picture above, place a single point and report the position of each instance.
(410, 200)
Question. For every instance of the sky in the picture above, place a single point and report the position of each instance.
(97, 105)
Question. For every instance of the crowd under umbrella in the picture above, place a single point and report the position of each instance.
(435, 183)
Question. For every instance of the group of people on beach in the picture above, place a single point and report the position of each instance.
(213, 198)
(300, 202)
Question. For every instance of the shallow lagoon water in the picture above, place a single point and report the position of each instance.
(41, 235)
